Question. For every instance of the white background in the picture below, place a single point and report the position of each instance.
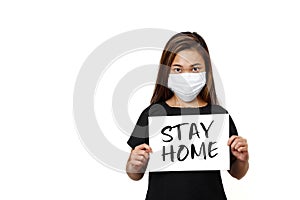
(255, 46)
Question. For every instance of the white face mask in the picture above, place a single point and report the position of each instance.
(187, 85)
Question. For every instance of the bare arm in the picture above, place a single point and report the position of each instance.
(137, 161)
(239, 148)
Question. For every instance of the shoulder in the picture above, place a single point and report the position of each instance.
(156, 109)
(215, 109)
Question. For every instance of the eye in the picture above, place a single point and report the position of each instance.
(177, 69)
(196, 69)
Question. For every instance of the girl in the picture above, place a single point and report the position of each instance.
(184, 86)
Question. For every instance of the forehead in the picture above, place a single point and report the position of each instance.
(189, 55)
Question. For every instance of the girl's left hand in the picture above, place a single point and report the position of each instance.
(239, 147)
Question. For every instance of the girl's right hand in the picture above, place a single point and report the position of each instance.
(138, 158)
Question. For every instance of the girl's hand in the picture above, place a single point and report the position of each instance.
(138, 158)
(239, 147)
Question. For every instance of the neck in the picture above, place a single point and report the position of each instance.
(177, 102)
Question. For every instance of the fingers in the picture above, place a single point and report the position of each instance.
(143, 157)
(237, 143)
(143, 147)
(242, 149)
(140, 155)
(136, 163)
(231, 139)
(135, 166)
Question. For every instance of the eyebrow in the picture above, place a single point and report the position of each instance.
(196, 64)
(178, 65)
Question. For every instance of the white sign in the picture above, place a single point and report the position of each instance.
(189, 142)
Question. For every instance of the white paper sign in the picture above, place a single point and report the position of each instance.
(189, 142)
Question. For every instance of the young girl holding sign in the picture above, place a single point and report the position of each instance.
(184, 86)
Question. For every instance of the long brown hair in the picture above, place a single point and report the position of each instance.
(179, 42)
